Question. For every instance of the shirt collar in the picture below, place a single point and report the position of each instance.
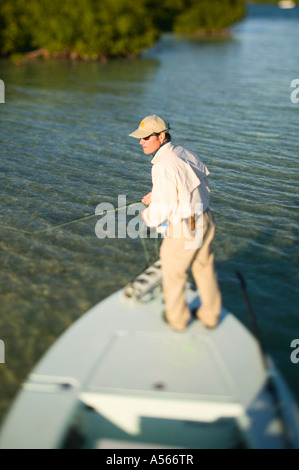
(155, 154)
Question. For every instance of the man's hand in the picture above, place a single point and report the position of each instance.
(147, 199)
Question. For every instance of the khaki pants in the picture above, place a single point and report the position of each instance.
(176, 260)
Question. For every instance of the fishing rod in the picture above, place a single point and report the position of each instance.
(78, 219)
(271, 386)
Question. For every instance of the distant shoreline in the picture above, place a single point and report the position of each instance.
(72, 56)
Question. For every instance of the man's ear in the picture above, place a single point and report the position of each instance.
(162, 137)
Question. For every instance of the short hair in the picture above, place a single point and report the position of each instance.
(167, 135)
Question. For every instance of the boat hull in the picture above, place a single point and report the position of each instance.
(121, 377)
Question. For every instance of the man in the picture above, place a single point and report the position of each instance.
(180, 196)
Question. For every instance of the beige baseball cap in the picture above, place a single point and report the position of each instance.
(150, 125)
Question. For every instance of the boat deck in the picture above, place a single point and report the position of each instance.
(121, 377)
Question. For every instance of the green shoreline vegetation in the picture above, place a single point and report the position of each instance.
(104, 29)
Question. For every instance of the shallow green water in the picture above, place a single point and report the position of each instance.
(65, 149)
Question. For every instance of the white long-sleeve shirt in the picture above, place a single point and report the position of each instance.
(180, 188)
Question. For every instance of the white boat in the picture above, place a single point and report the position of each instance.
(286, 4)
(120, 377)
